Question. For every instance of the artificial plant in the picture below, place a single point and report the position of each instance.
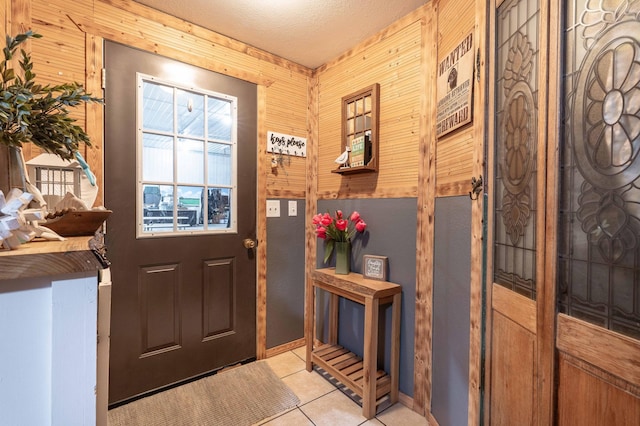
(33, 113)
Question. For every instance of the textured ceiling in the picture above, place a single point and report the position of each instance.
(308, 32)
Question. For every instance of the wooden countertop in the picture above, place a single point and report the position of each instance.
(353, 286)
(40, 258)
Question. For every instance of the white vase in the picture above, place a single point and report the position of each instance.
(17, 175)
(11, 169)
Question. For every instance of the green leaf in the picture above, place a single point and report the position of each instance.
(8, 74)
(328, 250)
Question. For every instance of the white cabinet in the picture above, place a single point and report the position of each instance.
(48, 327)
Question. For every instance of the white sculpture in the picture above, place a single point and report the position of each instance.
(344, 157)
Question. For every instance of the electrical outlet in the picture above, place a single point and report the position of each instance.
(273, 208)
(293, 208)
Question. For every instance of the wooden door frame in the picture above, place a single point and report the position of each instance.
(550, 80)
(489, 75)
(478, 230)
(261, 227)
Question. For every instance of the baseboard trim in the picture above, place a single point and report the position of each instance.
(405, 400)
(285, 348)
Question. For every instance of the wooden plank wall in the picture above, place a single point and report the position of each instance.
(5, 6)
(391, 58)
(454, 151)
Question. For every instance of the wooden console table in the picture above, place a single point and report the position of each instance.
(361, 375)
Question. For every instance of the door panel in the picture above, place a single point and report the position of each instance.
(218, 297)
(514, 306)
(184, 304)
(159, 308)
(513, 372)
(602, 399)
(514, 358)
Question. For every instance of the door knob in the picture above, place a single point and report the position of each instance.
(249, 243)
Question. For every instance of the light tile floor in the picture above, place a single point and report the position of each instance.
(322, 404)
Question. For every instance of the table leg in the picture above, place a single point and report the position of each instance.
(395, 347)
(309, 322)
(370, 357)
(334, 299)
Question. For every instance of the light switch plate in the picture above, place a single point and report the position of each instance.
(273, 208)
(293, 208)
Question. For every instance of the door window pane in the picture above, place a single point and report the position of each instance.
(190, 161)
(220, 119)
(220, 165)
(158, 101)
(158, 210)
(189, 208)
(219, 208)
(157, 158)
(190, 113)
(182, 190)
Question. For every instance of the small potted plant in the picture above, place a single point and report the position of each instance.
(35, 113)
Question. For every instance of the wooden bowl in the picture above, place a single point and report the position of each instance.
(77, 223)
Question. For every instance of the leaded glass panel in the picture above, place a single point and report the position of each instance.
(515, 208)
(599, 253)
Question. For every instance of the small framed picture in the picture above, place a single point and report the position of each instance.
(374, 267)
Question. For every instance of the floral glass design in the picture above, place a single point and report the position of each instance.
(599, 277)
(515, 148)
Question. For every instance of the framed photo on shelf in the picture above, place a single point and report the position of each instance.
(374, 267)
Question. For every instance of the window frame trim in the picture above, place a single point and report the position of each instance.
(141, 78)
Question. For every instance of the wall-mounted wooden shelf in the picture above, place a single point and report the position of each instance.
(354, 170)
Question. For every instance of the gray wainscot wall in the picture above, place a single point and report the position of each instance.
(285, 274)
(451, 301)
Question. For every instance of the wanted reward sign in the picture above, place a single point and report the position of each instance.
(455, 88)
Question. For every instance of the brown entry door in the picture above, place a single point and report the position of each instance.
(180, 177)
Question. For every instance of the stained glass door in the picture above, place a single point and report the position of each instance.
(563, 324)
(516, 194)
(598, 261)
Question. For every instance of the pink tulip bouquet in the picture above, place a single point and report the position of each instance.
(337, 229)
